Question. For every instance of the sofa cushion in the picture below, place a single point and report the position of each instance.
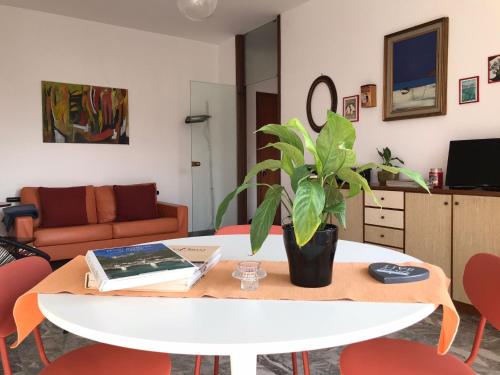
(144, 227)
(63, 207)
(135, 202)
(30, 195)
(75, 234)
(106, 205)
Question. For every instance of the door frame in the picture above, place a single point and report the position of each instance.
(241, 116)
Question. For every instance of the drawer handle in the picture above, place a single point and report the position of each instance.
(382, 198)
(382, 236)
(457, 203)
(382, 217)
(446, 203)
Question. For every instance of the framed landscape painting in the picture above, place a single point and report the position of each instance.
(75, 113)
(415, 71)
(469, 90)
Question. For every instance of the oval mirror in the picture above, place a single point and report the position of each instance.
(333, 100)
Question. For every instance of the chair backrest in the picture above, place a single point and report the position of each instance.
(245, 229)
(17, 278)
(482, 285)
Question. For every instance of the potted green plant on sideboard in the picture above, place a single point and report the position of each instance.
(387, 159)
(310, 239)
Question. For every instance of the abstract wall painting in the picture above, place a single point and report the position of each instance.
(415, 71)
(351, 108)
(469, 90)
(74, 113)
(494, 69)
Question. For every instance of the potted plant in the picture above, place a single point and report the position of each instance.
(387, 159)
(315, 197)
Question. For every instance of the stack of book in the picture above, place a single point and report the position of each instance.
(150, 267)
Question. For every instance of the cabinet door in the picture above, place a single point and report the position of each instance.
(354, 219)
(475, 230)
(428, 228)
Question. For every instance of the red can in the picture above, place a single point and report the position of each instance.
(436, 178)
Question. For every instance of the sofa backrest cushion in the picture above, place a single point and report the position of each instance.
(135, 202)
(31, 195)
(63, 207)
(106, 205)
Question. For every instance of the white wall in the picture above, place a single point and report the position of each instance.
(156, 69)
(226, 62)
(344, 39)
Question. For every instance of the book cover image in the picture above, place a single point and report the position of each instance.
(137, 260)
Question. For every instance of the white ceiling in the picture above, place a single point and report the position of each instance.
(162, 16)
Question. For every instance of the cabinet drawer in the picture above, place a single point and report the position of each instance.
(388, 199)
(384, 236)
(385, 218)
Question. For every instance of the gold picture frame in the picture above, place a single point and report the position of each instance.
(415, 71)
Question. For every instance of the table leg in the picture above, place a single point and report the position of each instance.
(243, 364)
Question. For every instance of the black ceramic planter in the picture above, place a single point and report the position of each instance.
(311, 265)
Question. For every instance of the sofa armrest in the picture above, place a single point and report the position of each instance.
(23, 227)
(178, 211)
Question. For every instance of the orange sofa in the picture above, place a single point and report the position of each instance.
(102, 231)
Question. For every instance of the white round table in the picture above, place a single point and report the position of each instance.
(241, 329)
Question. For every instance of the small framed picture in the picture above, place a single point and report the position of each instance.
(468, 90)
(351, 108)
(494, 69)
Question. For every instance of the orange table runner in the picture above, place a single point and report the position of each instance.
(351, 281)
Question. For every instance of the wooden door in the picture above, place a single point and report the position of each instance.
(354, 219)
(475, 230)
(267, 113)
(428, 228)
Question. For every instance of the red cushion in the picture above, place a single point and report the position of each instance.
(401, 357)
(135, 202)
(62, 207)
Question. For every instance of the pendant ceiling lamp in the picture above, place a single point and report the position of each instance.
(197, 10)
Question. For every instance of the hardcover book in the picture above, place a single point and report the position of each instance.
(135, 266)
(203, 257)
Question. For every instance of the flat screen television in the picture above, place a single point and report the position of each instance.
(474, 163)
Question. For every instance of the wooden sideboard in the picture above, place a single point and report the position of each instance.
(444, 228)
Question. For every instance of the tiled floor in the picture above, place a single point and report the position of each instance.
(323, 362)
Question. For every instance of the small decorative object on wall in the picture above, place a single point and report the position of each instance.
(469, 90)
(494, 69)
(322, 79)
(368, 96)
(415, 71)
(74, 113)
(351, 108)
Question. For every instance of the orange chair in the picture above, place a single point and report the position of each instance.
(18, 277)
(402, 357)
(275, 229)
(245, 229)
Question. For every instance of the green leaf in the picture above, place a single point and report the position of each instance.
(384, 167)
(269, 164)
(225, 204)
(353, 177)
(287, 164)
(334, 143)
(299, 173)
(264, 217)
(291, 151)
(284, 134)
(341, 217)
(415, 176)
(310, 146)
(332, 197)
(307, 208)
